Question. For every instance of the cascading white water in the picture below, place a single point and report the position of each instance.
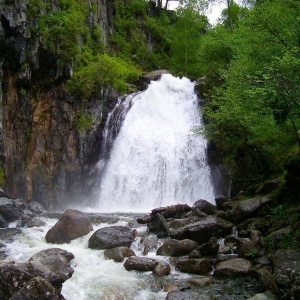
(156, 160)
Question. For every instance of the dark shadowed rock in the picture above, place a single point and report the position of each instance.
(3, 222)
(71, 225)
(145, 79)
(37, 288)
(248, 208)
(10, 212)
(209, 248)
(200, 266)
(150, 243)
(233, 267)
(53, 265)
(119, 253)
(203, 206)
(139, 264)
(287, 267)
(268, 187)
(36, 207)
(12, 278)
(267, 280)
(8, 234)
(173, 247)
(159, 226)
(201, 231)
(177, 223)
(172, 211)
(112, 237)
(220, 201)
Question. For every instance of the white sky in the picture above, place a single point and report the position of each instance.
(213, 13)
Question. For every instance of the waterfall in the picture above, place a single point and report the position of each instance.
(154, 158)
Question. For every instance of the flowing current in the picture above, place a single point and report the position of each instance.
(155, 159)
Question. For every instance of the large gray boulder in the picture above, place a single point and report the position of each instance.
(233, 267)
(35, 289)
(201, 231)
(173, 247)
(248, 208)
(200, 266)
(71, 225)
(53, 265)
(112, 237)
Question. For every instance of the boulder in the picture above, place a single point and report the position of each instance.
(136, 263)
(53, 265)
(209, 248)
(71, 225)
(150, 243)
(267, 280)
(201, 231)
(177, 223)
(18, 282)
(287, 268)
(118, 254)
(248, 208)
(268, 187)
(35, 289)
(203, 206)
(277, 236)
(173, 247)
(233, 267)
(36, 207)
(200, 281)
(200, 266)
(13, 277)
(172, 211)
(112, 237)
(159, 226)
(10, 212)
(220, 201)
(162, 268)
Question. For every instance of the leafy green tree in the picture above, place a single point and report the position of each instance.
(257, 107)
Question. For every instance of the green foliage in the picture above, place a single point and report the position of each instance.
(84, 121)
(2, 179)
(103, 70)
(257, 105)
(60, 30)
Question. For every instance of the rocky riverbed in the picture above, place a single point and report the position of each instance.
(231, 250)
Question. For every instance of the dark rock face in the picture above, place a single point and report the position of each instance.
(203, 230)
(173, 247)
(50, 157)
(8, 234)
(71, 225)
(111, 237)
(145, 79)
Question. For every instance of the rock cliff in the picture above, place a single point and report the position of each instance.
(50, 139)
